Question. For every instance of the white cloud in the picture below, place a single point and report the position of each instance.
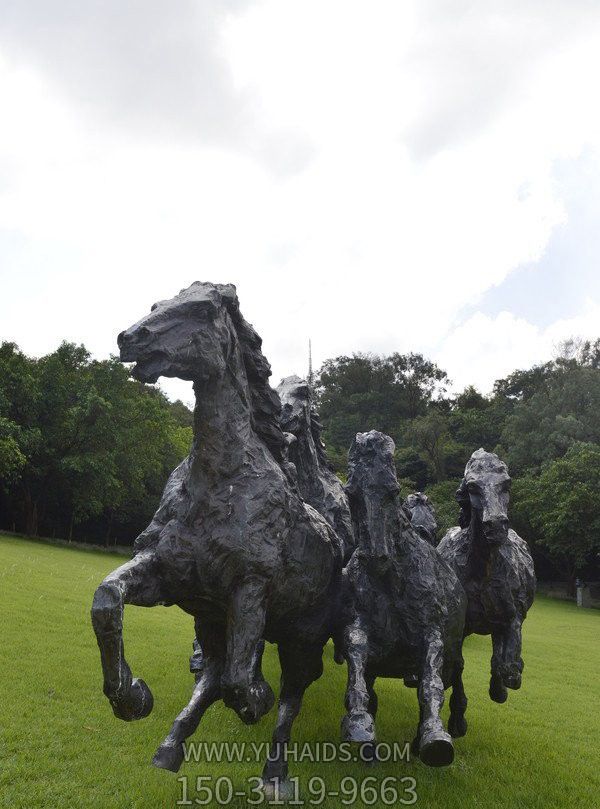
(362, 173)
(484, 348)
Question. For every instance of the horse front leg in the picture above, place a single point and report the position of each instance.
(135, 582)
(433, 742)
(512, 663)
(497, 690)
(358, 724)
(243, 687)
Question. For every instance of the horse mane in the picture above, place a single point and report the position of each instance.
(265, 404)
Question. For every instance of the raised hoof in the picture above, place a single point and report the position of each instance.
(513, 681)
(137, 704)
(457, 726)
(277, 790)
(358, 727)
(498, 692)
(252, 703)
(436, 749)
(169, 757)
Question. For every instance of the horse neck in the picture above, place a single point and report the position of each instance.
(222, 426)
(391, 522)
(481, 551)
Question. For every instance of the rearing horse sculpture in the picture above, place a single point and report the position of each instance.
(494, 566)
(232, 543)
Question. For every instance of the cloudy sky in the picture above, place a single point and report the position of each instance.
(380, 176)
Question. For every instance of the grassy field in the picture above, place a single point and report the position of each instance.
(61, 746)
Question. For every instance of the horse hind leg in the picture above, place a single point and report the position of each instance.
(170, 754)
(135, 582)
(368, 751)
(434, 743)
(300, 666)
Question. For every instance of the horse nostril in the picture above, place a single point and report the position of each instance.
(121, 339)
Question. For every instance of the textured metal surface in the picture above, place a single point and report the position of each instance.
(494, 566)
(404, 608)
(232, 543)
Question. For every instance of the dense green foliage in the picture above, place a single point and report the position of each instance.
(61, 746)
(544, 422)
(84, 450)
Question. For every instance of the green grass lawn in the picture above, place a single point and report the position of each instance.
(61, 746)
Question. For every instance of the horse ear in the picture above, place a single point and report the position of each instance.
(464, 501)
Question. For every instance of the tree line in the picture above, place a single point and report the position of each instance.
(85, 451)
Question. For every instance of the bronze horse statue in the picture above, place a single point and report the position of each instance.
(494, 566)
(421, 514)
(317, 482)
(403, 609)
(321, 488)
(232, 543)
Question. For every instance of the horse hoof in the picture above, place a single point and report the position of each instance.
(137, 704)
(411, 681)
(457, 726)
(436, 749)
(169, 757)
(250, 704)
(498, 693)
(277, 789)
(358, 727)
(513, 681)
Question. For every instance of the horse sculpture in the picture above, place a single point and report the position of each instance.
(494, 566)
(422, 516)
(320, 487)
(317, 482)
(232, 543)
(404, 609)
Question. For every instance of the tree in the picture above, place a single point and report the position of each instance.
(430, 434)
(563, 411)
(563, 504)
(443, 497)
(82, 444)
(367, 392)
(419, 380)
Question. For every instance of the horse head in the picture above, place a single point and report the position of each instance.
(422, 516)
(201, 335)
(483, 496)
(188, 336)
(373, 491)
